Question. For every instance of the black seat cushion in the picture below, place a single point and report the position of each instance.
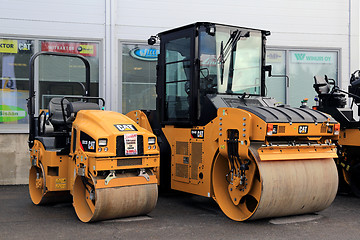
(55, 111)
(75, 107)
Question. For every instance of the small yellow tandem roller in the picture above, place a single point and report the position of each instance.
(101, 160)
(105, 181)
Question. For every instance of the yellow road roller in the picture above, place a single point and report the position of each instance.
(221, 137)
(102, 160)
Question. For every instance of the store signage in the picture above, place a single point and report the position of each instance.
(14, 46)
(11, 113)
(84, 49)
(24, 45)
(146, 54)
(8, 46)
(274, 56)
(312, 57)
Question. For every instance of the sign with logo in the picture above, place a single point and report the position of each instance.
(8, 46)
(125, 127)
(312, 57)
(145, 54)
(11, 113)
(85, 49)
(275, 56)
(15, 46)
(130, 144)
(25, 46)
(197, 134)
(303, 129)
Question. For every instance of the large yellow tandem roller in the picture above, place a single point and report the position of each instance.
(103, 160)
(221, 137)
(249, 169)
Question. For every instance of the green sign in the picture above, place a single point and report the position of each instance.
(11, 113)
(312, 57)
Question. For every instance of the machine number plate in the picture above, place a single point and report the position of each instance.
(303, 129)
(130, 144)
(60, 183)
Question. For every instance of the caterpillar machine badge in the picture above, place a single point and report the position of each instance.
(332, 100)
(220, 137)
(101, 159)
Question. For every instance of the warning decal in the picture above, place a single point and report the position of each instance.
(130, 144)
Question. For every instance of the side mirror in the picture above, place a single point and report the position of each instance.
(268, 69)
(152, 40)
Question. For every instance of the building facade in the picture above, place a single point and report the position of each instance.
(308, 37)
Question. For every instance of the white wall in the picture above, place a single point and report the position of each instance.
(71, 18)
(300, 23)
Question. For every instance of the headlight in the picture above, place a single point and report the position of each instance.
(102, 142)
(151, 140)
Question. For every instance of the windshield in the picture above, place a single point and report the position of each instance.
(230, 61)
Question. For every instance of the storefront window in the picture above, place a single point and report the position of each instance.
(303, 66)
(300, 66)
(14, 71)
(60, 76)
(138, 77)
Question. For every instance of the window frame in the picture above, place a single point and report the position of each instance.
(288, 51)
(118, 89)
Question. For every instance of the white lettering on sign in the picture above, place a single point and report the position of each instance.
(303, 129)
(12, 113)
(25, 46)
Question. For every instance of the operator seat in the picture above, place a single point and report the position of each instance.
(56, 115)
(73, 108)
(321, 85)
(70, 110)
(327, 96)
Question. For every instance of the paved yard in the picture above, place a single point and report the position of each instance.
(176, 216)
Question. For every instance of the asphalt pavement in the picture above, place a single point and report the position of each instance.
(176, 216)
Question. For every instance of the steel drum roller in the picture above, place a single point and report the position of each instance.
(114, 202)
(277, 188)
